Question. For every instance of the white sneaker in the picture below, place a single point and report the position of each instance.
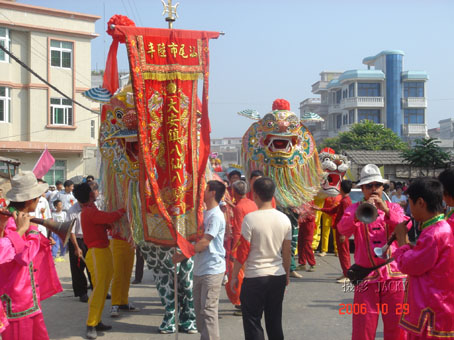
(322, 254)
(296, 275)
(115, 311)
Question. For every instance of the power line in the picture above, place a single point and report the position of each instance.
(42, 79)
(137, 11)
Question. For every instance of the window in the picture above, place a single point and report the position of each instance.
(92, 128)
(5, 105)
(61, 111)
(61, 53)
(372, 115)
(368, 90)
(344, 120)
(4, 168)
(338, 96)
(413, 89)
(344, 93)
(56, 173)
(351, 116)
(414, 116)
(5, 42)
(339, 121)
(351, 90)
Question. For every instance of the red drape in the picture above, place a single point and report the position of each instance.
(165, 66)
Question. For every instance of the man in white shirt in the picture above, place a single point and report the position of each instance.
(265, 251)
(209, 263)
(65, 196)
(77, 252)
(42, 211)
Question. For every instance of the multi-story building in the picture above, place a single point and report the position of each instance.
(445, 134)
(383, 93)
(228, 149)
(57, 46)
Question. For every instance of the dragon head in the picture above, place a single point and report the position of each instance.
(284, 149)
(335, 166)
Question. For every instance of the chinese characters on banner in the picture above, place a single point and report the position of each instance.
(166, 66)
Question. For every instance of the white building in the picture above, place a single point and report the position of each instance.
(228, 149)
(382, 93)
(56, 45)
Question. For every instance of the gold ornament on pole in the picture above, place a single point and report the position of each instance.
(171, 11)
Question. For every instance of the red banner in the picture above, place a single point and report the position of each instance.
(173, 131)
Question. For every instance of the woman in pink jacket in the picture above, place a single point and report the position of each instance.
(30, 277)
(383, 290)
(429, 265)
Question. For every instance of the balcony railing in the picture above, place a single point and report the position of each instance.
(414, 129)
(414, 102)
(363, 102)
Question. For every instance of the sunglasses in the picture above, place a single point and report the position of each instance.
(373, 185)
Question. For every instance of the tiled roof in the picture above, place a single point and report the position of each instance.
(385, 157)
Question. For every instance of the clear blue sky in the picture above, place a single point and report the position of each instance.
(277, 48)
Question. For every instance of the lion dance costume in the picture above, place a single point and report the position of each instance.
(335, 166)
(154, 142)
(284, 149)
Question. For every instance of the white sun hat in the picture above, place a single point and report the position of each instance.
(369, 174)
(25, 187)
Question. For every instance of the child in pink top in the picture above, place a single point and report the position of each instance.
(429, 298)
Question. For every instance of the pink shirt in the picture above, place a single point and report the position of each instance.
(376, 235)
(9, 247)
(430, 292)
(28, 278)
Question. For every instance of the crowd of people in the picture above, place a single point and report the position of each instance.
(249, 246)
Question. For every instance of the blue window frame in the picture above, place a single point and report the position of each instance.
(351, 90)
(414, 116)
(338, 96)
(369, 90)
(339, 121)
(413, 89)
(351, 116)
(369, 114)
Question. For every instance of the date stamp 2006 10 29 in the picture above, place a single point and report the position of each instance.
(357, 308)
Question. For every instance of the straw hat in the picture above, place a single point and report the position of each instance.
(369, 174)
(25, 187)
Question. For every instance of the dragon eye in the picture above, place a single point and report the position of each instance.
(292, 126)
(270, 124)
(119, 114)
(326, 159)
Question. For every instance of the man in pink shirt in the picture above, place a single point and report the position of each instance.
(383, 290)
(429, 299)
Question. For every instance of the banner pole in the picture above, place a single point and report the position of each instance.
(175, 283)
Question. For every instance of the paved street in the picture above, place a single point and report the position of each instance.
(311, 310)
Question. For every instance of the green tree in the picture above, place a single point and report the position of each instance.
(426, 153)
(365, 136)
